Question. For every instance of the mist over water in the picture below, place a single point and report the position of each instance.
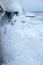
(32, 5)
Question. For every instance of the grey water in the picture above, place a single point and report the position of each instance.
(38, 14)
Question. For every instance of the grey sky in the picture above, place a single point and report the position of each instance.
(32, 5)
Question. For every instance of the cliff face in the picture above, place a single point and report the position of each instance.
(0, 45)
(6, 5)
(1, 42)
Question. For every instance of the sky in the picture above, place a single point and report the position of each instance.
(32, 5)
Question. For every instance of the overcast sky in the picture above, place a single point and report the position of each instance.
(32, 5)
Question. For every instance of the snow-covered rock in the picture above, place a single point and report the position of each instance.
(11, 6)
(1, 15)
